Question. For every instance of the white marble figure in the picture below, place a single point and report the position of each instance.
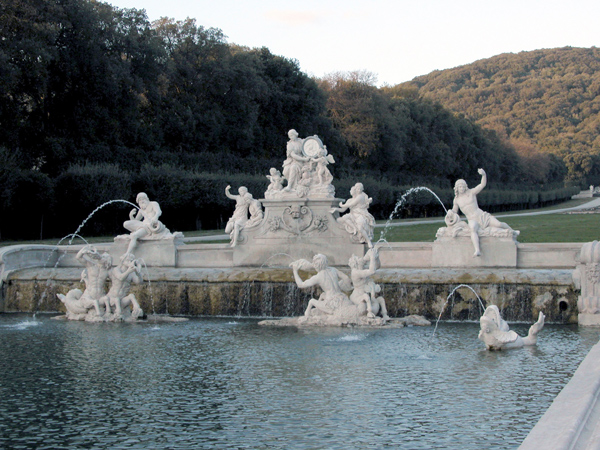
(358, 222)
(305, 169)
(321, 162)
(497, 336)
(244, 203)
(275, 183)
(292, 166)
(465, 199)
(256, 212)
(126, 306)
(365, 290)
(89, 305)
(144, 222)
(332, 303)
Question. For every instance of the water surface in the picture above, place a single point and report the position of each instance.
(229, 384)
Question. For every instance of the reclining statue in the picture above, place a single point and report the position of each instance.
(465, 200)
(497, 336)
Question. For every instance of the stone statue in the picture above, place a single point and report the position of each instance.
(292, 166)
(89, 304)
(497, 336)
(256, 213)
(358, 222)
(128, 272)
(144, 222)
(305, 169)
(321, 162)
(240, 214)
(465, 199)
(332, 303)
(365, 291)
(276, 183)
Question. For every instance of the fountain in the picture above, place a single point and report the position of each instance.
(300, 227)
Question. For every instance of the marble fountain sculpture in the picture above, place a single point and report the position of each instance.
(501, 238)
(94, 304)
(496, 334)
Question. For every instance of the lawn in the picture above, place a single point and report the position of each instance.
(543, 228)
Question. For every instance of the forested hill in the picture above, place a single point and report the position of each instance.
(549, 98)
(98, 103)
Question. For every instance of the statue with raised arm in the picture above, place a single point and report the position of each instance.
(365, 290)
(497, 336)
(358, 222)
(144, 222)
(240, 214)
(332, 305)
(465, 200)
(89, 304)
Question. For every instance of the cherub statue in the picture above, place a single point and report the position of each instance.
(128, 272)
(358, 222)
(365, 290)
(465, 199)
(322, 161)
(276, 180)
(497, 336)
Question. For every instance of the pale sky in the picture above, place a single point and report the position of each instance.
(396, 40)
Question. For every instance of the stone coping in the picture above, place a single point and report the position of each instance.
(573, 420)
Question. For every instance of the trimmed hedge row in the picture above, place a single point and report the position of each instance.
(35, 206)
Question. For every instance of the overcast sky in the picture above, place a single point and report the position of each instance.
(396, 40)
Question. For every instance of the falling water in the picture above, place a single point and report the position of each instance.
(401, 203)
(95, 211)
(448, 298)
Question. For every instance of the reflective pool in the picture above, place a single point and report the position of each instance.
(228, 383)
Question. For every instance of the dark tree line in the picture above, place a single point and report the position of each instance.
(97, 103)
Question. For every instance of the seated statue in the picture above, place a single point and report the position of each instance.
(144, 222)
(275, 183)
(365, 290)
(358, 222)
(128, 272)
(465, 199)
(497, 336)
(332, 302)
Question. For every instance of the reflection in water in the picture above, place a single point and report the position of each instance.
(208, 384)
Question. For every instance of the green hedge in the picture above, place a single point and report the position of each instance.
(42, 207)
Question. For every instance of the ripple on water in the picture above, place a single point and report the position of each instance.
(206, 384)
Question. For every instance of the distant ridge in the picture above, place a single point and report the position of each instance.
(549, 98)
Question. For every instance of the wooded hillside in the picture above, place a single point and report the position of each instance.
(547, 100)
(97, 103)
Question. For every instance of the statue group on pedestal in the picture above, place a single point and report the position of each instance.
(334, 306)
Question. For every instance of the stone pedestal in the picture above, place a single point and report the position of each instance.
(458, 251)
(296, 228)
(155, 253)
